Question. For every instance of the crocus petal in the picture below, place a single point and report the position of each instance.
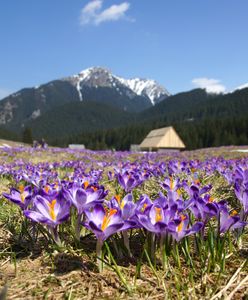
(35, 216)
(42, 206)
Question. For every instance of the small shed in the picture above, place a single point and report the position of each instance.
(162, 138)
(76, 146)
(134, 148)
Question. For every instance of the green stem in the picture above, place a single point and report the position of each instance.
(99, 244)
(126, 242)
(55, 234)
(78, 227)
(117, 269)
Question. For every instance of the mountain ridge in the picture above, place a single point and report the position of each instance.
(93, 84)
(116, 111)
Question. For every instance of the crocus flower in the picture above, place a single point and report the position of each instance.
(125, 205)
(171, 184)
(129, 181)
(204, 208)
(50, 191)
(230, 221)
(103, 222)
(143, 203)
(21, 196)
(179, 228)
(83, 199)
(127, 209)
(49, 212)
(242, 194)
(153, 219)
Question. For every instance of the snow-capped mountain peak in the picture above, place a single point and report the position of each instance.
(241, 87)
(102, 77)
(146, 87)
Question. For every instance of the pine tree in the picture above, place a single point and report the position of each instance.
(27, 136)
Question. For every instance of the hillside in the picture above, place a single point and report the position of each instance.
(60, 124)
(95, 84)
(202, 119)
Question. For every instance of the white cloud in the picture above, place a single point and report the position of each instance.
(92, 6)
(92, 12)
(4, 93)
(210, 85)
(89, 11)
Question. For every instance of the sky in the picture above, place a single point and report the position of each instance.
(182, 44)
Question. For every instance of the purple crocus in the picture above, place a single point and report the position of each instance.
(50, 191)
(83, 199)
(49, 212)
(126, 206)
(143, 203)
(22, 196)
(129, 180)
(179, 227)
(104, 223)
(153, 218)
(127, 209)
(241, 193)
(230, 221)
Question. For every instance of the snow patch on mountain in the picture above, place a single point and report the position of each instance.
(241, 87)
(102, 77)
(146, 87)
(35, 114)
(79, 90)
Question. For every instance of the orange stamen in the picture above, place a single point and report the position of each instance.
(158, 214)
(180, 226)
(171, 183)
(86, 184)
(21, 188)
(144, 207)
(47, 188)
(51, 209)
(23, 194)
(94, 188)
(121, 203)
(211, 199)
(118, 198)
(233, 213)
(183, 217)
(107, 218)
(197, 181)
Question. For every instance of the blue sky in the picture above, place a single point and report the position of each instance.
(180, 43)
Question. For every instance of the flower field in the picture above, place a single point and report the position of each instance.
(121, 225)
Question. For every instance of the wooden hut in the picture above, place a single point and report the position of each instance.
(163, 138)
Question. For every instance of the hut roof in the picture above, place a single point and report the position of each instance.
(162, 138)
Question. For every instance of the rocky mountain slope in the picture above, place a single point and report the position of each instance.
(92, 85)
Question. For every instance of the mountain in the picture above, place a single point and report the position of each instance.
(192, 113)
(241, 87)
(71, 120)
(198, 104)
(102, 110)
(92, 85)
(200, 118)
(147, 90)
